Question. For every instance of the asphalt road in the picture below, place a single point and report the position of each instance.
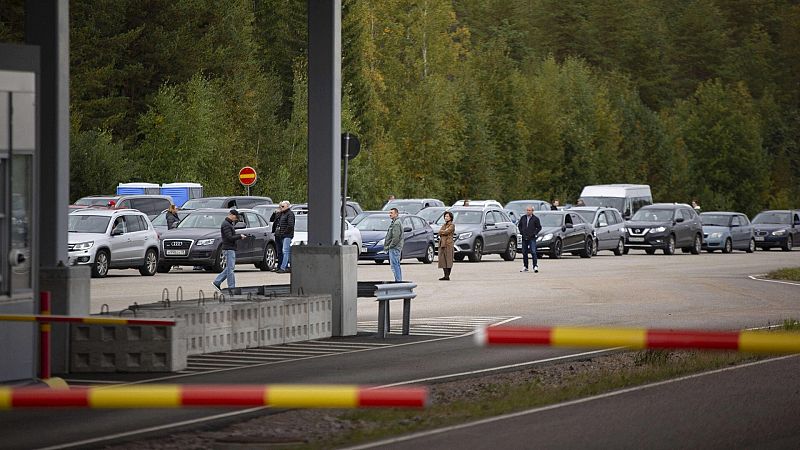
(682, 291)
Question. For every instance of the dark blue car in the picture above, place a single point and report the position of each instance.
(417, 237)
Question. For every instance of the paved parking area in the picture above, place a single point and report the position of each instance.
(682, 291)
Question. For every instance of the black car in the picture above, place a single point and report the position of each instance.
(564, 231)
(236, 201)
(777, 228)
(665, 226)
(197, 241)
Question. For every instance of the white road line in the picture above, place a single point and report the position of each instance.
(557, 405)
(755, 277)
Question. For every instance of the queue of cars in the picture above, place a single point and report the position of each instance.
(106, 236)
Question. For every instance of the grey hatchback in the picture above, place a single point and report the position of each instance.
(608, 227)
(482, 231)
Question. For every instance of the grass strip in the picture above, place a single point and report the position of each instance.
(788, 273)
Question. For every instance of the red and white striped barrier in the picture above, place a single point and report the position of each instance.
(220, 396)
(88, 320)
(642, 338)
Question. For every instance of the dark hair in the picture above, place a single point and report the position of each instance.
(448, 213)
(395, 210)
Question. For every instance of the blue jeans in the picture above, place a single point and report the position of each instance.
(528, 246)
(286, 253)
(230, 264)
(394, 260)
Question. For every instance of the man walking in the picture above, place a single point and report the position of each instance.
(529, 227)
(393, 243)
(285, 230)
(228, 247)
(273, 219)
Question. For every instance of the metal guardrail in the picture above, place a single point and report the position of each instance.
(384, 292)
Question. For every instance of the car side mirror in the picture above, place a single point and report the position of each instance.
(406, 229)
(734, 225)
(116, 231)
(489, 223)
(679, 220)
(569, 225)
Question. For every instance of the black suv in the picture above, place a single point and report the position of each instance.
(664, 226)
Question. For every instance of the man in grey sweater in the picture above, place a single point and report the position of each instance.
(393, 243)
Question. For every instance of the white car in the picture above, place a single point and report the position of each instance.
(480, 203)
(112, 239)
(351, 234)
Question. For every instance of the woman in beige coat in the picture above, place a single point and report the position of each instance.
(446, 245)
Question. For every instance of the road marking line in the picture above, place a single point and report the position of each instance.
(755, 277)
(556, 406)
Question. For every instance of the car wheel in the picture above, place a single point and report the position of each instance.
(150, 265)
(219, 262)
(789, 244)
(379, 261)
(620, 248)
(670, 248)
(588, 248)
(100, 266)
(698, 245)
(428, 258)
(555, 251)
(650, 251)
(752, 247)
(458, 257)
(728, 246)
(595, 247)
(163, 268)
(477, 251)
(270, 258)
(511, 250)
(626, 250)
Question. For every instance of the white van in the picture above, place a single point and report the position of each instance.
(627, 198)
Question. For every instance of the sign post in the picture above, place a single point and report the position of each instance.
(350, 148)
(248, 177)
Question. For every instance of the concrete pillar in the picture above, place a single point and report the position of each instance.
(329, 270)
(70, 296)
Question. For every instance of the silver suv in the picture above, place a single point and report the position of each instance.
(113, 239)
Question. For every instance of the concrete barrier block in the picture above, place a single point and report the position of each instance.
(270, 326)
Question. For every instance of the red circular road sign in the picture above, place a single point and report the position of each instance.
(247, 176)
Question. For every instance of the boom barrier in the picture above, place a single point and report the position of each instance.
(773, 342)
(220, 396)
(88, 320)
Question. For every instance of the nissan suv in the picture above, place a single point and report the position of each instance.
(665, 226)
(112, 239)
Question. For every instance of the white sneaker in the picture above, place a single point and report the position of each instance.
(536, 269)
(524, 269)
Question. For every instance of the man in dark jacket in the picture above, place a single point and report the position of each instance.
(228, 247)
(529, 226)
(284, 229)
(276, 215)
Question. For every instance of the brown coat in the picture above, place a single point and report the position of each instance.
(446, 245)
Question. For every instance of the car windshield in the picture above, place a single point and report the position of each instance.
(94, 201)
(715, 220)
(653, 215)
(408, 206)
(79, 223)
(774, 217)
(607, 202)
(430, 214)
(203, 220)
(464, 217)
(587, 216)
(197, 203)
(301, 223)
(550, 220)
(375, 222)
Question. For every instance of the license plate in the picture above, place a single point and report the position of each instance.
(636, 239)
(759, 238)
(175, 252)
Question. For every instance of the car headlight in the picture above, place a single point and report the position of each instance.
(658, 229)
(83, 245)
(464, 235)
(547, 237)
(203, 242)
(381, 242)
(715, 235)
(623, 230)
(779, 232)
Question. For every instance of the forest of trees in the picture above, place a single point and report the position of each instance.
(500, 99)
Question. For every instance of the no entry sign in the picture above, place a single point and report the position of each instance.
(247, 176)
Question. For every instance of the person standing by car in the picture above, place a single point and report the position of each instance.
(172, 217)
(529, 227)
(229, 238)
(393, 243)
(446, 245)
(276, 215)
(554, 206)
(285, 229)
